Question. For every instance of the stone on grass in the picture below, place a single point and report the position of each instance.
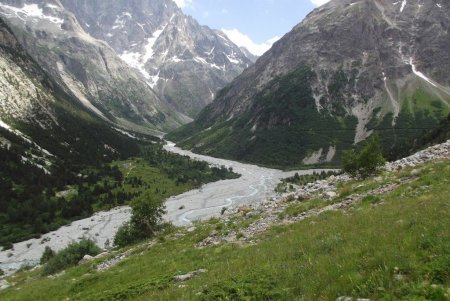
(188, 276)
(85, 259)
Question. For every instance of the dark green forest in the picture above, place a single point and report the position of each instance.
(34, 201)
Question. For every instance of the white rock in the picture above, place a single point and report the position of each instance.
(331, 194)
(188, 276)
(86, 258)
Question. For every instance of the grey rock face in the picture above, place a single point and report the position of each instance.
(184, 63)
(87, 68)
(22, 96)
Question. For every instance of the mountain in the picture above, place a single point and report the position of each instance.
(47, 140)
(86, 68)
(349, 69)
(183, 62)
(44, 124)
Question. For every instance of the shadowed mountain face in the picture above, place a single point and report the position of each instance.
(184, 63)
(350, 68)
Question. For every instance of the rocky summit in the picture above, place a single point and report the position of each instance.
(349, 69)
(183, 62)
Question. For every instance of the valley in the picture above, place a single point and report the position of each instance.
(144, 156)
(255, 185)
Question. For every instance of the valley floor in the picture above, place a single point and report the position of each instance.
(255, 185)
(385, 238)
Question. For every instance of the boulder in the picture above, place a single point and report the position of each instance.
(86, 258)
(188, 276)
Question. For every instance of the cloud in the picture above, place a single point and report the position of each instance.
(242, 40)
(319, 2)
(183, 3)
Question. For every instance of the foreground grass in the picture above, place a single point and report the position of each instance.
(396, 250)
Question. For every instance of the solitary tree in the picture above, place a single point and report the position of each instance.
(365, 163)
(146, 220)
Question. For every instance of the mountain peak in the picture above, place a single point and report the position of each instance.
(349, 69)
(184, 62)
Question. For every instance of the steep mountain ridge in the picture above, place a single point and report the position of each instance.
(348, 69)
(38, 117)
(87, 68)
(185, 63)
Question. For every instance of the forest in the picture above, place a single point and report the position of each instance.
(34, 201)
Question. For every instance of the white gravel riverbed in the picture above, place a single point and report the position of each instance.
(255, 185)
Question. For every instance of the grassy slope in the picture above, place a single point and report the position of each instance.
(398, 250)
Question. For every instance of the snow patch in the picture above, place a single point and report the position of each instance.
(232, 60)
(203, 61)
(31, 11)
(403, 6)
(52, 6)
(137, 60)
(150, 43)
(176, 59)
(154, 80)
(133, 59)
(420, 74)
(120, 21)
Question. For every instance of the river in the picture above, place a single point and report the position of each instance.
(256, 184)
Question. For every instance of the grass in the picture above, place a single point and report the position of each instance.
(298, 208)
(396, 250)
(153, 177)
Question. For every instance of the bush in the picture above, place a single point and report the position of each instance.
(70, 256)
(2, 272)
(126, 235)
(145, 221)
(47, 255)
(365, 163)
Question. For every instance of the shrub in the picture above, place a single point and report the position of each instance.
(47, 255)
(126, 235)
(70, 256)
(2, 272)
(145, 221)
(365, 163)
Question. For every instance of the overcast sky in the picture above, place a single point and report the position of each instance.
(255, 24)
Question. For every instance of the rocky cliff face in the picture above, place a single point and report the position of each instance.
(350, 68)
(87, 68)
(184, 63)
(44, 125)
(22, 96)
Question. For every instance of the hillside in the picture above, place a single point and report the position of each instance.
(349, 69)
(184, 63)
(384, 238)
